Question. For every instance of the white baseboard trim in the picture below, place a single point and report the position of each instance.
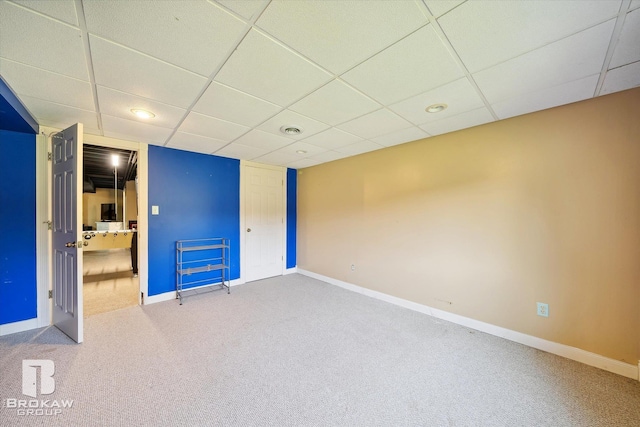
(21, 326)
(290, 271)
(167, 296)
(573, 353)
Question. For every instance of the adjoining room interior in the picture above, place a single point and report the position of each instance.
(110, 214)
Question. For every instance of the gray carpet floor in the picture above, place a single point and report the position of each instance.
(294, 351)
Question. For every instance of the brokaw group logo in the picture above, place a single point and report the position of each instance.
(38, 407)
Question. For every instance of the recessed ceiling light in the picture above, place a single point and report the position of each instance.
(143, 114)
(291, 130)
(435, 108)
(301, 152)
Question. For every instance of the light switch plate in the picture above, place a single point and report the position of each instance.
(155, 210)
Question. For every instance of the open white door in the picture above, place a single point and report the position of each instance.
(264, 220)
(67, 231)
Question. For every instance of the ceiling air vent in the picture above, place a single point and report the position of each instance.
(291, 130)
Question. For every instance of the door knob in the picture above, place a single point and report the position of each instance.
(248, 230)
(85, 243)
(70, 244)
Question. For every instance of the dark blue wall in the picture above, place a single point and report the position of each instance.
(292, 216)
(18, 289)
(199, 197)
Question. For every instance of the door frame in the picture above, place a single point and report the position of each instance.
(44, 212)
(243, 184)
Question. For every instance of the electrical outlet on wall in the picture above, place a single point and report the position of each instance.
(543, 309)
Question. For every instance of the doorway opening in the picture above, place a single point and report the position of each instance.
(109, 235)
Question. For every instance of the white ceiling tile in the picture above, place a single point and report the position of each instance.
(332, 138)
(33, 39)
(181, 33)
(211, 127)
(63, 10)
(278, 158)
(38, 83)
(289, 118)
(634, 4)
(329, 156)
(401, 136)
(547, 98)
(245, 8)
(440, 7)
(461, 121)
(197, 143)
(242, 152)
(120, 104)
(335, 103)
(319, 29)
(415, 64)
(374, 124)
(569, 59)
(359, 148)
(309, 150)
(128, 71)
(229, 104)
(621, 78)
(628, 48)
(485, 33)
(266, 69)
(263, 140)
(304, 163)
(60, 116)
(459, 96)
(115, 127)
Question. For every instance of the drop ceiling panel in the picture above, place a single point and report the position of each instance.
(485, 33)
(459, 96)
(248, 9)
(634, 4)
(572, 58)
(304, 163)
(359, 148)
(289, 118)
(621, 78)
(177, 32)
(60, 116)
(319, 29)
(278, 158)
(211, 127)
(309, 149)
(115, 127)
(401, 136)
(58, 9)
(120, 104)
(242, 152)
(332, 138)
(574, 91)
(374, 124)
(461, 121)
(232, 105)
(38, 83)
(263, 140)
(264, 68)
(129, 71)
(440, 7)
(35, 40)
(628, 48)
(335, 103)
(415, 64)
(197, 143)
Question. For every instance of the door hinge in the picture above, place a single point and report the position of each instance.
(50, 294)
(49, 225)
(49, 155)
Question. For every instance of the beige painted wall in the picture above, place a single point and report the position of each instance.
(91, 205)
(132, 205)
(487, 221)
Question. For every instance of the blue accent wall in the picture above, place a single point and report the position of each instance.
(198, 197)
(13, 115)
(18, 288)
(292, 216)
